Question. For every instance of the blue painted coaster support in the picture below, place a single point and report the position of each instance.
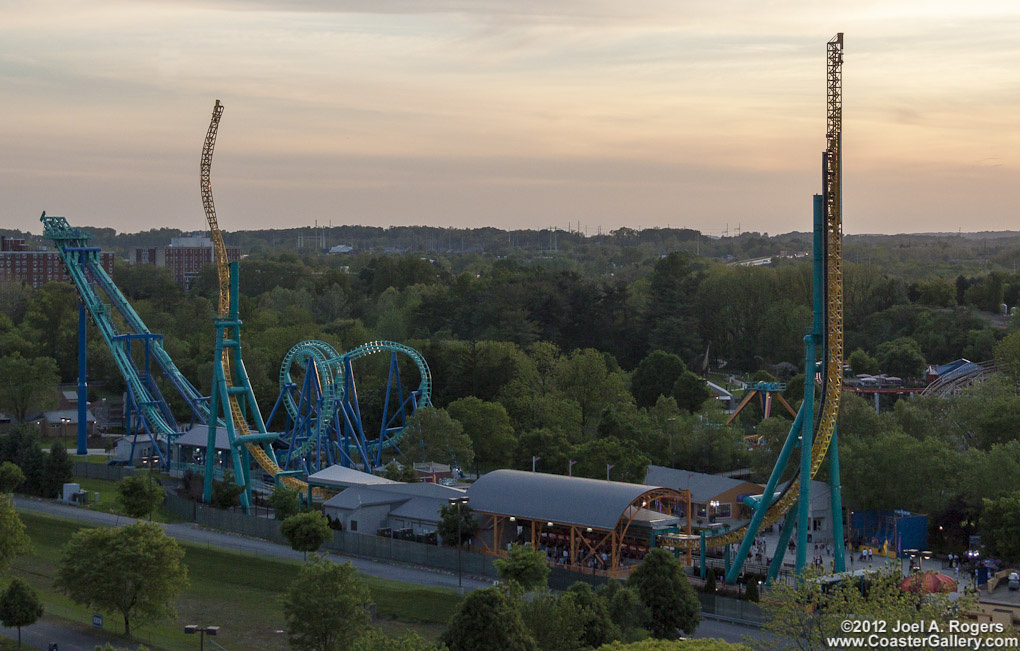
(83, 385)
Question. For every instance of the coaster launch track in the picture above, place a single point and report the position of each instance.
(93, 284)
(827, 331)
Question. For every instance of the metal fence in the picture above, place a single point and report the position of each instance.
(729, 608)
(343, 542)
(102, 471)
(411, 553)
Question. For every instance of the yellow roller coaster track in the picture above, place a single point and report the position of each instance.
(833, 347)
(223, 272)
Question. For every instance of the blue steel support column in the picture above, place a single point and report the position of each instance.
(836, 502)
(83, 393)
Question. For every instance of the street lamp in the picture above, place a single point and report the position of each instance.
(202, 631)
(460, 546)
(712, 506)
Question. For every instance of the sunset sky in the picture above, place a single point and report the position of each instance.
(525, 114)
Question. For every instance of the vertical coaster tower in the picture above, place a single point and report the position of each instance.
(231, 390)
(813, 430)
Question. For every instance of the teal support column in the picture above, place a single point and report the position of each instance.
(767, 496)
(804, 502)
(701, 554)
(781, 543)
(83, 391)
(836, 502)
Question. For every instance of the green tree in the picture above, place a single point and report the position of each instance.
(13, 539)
(306, 532)
(326, 606)
(431, 435)
(10, 477)
(285, 502)
(1007, 358)
(703, 644)
(555, 622)
(58, 469)
(136, 571)
(1000, 526)
(226, 493)
(625, 609)
(655, 376)
(449, 515)
(597, 626)
(409, 641)
(937, 292)
(27, 384)
(668, 597)
(488, 426)
(487, 619)
(861, 362)
(791, 623)
(19, 606)
(901, 357)
(525, 566)
(586, 379)
(405, 473)
(690, 392)
(751, 594)
(139, 496)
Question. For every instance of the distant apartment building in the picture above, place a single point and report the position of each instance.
(185, 256)
(36, 268)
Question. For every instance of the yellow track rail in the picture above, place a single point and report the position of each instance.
(223, 273)
(833, 378)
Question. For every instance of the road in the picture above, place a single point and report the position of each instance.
(192, 533)
(69, 638)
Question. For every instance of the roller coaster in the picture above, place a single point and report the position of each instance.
(319, 395)
(325, 423)
(813, 432)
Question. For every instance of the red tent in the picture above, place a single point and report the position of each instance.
(928, 582)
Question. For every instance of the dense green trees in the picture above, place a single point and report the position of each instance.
(524, 566)
(669, 600)
(487, 619)
(27, 384)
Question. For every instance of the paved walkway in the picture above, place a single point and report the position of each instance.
(193, 533)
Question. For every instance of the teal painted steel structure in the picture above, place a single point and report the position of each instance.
(801, 434)
(228, 338)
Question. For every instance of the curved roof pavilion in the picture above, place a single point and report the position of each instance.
(589, 516)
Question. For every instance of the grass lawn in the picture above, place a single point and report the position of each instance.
(108, 498)
(238, 592)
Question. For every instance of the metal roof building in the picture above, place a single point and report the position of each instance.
(590, 522)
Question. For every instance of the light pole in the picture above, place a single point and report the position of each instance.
(712, 506)
(202, 631)
(460, 543)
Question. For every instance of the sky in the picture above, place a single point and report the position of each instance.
(522, 114)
